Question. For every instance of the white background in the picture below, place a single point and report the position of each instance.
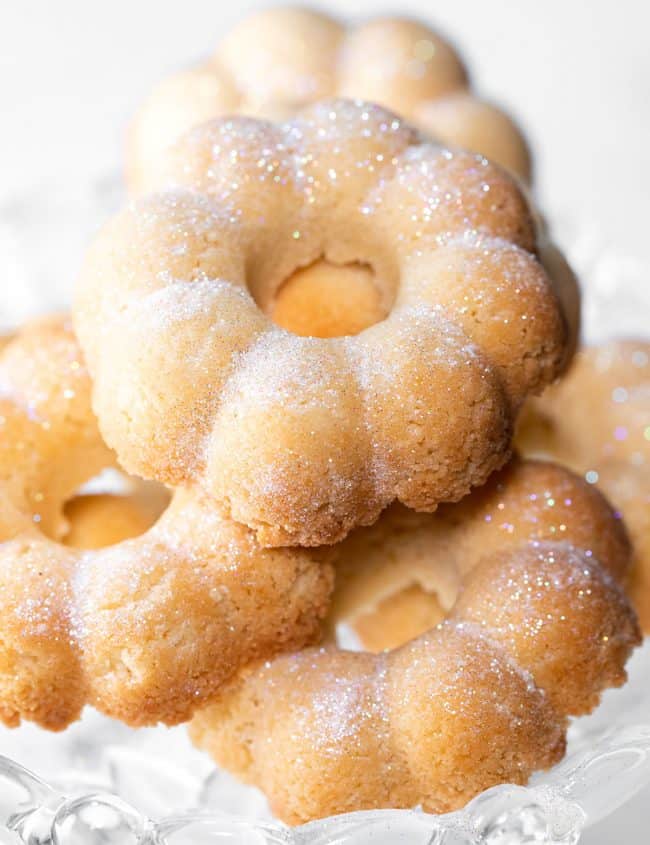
(575, 72)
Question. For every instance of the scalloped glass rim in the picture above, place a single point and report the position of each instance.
(113, 786)
(553, 812)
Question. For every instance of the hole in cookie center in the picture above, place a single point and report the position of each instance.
(399, 618)
(329, 300)
(392, 620)
(96, 517)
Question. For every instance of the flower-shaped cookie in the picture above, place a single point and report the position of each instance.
(305, 437)
(534, 624)
(279, 60)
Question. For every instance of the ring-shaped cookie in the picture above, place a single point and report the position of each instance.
(304, 437)
(536, 626)
(144, 630)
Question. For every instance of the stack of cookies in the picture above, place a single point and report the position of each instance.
(315, 332)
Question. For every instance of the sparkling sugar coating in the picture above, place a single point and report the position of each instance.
(402, 575)
(597, 421)
(528, 573)
(278, 61)
(304, 438)
(145, 630)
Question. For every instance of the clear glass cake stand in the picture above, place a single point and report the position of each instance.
(102, 784)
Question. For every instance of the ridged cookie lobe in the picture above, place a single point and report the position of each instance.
(41, 677)
(510, 314)
(462, 120)
(311, 465)
(434, 408)
(288, 54)
(465, 717)
(399, 63)
(560, 615)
